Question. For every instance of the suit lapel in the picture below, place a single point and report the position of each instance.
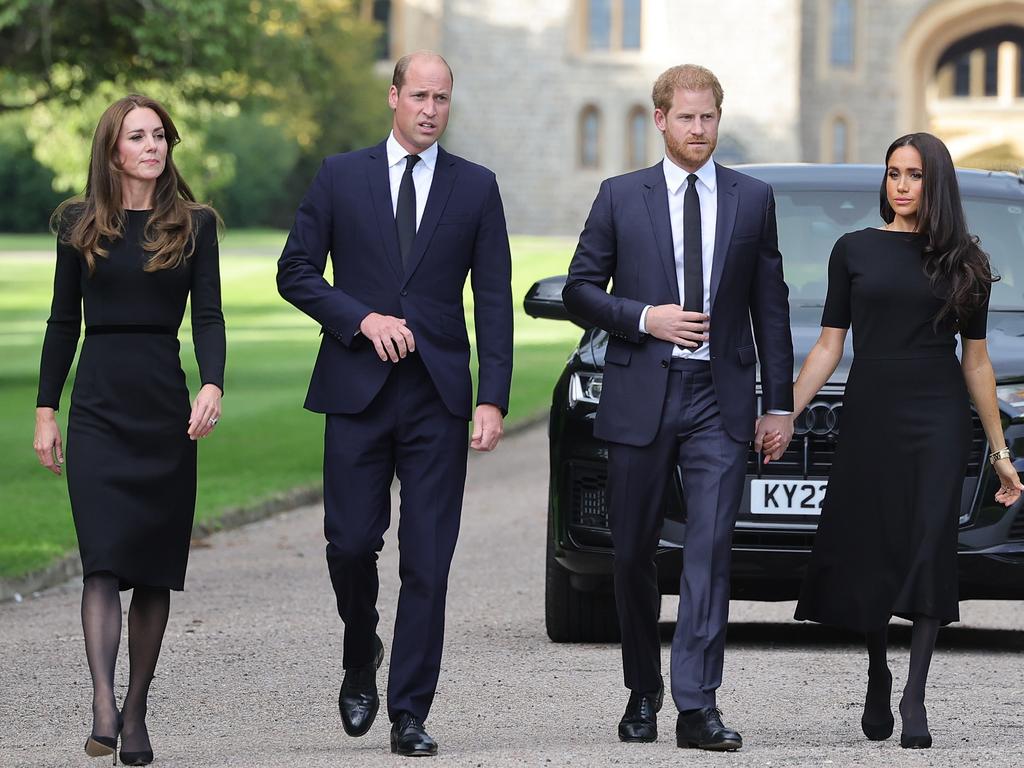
(440, 190)
(728, 201)
(378, 176)
(656, 198)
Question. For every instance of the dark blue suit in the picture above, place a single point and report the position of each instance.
(656, 417)
(407, 418)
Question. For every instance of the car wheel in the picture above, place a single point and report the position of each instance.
(574, 615)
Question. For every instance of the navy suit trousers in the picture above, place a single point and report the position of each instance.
(406, 431)
(712, 464)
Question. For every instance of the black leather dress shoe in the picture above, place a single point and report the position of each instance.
(703, 729)
(410, 738)
(639, 722)
(358, 700)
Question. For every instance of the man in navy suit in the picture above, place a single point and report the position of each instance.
(690, 248)
(404, 223)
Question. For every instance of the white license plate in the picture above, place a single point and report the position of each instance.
(787, 497)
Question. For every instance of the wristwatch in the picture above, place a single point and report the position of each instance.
(1002, 453)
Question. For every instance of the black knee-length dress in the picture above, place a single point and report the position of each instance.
(887, 539)
(131, 467)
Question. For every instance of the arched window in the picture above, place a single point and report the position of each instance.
(840, 141)
(841, 33)
(590, 137)
(637, 130)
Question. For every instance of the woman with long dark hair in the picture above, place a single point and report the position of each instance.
(130, 253)
(887, 539)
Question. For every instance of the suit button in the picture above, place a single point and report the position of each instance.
(664, 363)
(405, 293)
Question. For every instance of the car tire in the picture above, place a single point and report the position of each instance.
(574, 615)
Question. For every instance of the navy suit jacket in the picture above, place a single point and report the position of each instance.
(628, 240)
(348, 213)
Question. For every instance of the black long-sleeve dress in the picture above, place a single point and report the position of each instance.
(887, 539)
(131, 467)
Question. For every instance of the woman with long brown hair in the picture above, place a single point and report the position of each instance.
(887, 540)
(130, 253)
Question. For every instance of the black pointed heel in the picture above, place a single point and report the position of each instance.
(101, 746)
(877, 731)
(916, 742)
(145, 757)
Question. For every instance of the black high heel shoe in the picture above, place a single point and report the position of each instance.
(145, 757)
(101, 746)
(141, 757)
(915, 740)
(878, 730)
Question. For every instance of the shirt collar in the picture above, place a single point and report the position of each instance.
(675, 177)
(397, 153)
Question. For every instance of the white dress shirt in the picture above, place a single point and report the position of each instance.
(707, 193)
(422, 173)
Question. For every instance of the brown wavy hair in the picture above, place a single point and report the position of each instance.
(957, 268)
(86, 222)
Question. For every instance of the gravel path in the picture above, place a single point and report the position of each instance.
(251, 664)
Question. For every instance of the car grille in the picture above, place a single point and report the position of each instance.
(587, 484)
(811, 452)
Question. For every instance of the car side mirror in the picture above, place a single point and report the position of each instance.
(544, 300)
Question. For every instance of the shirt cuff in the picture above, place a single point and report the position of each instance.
(775, 412)
(643, 319)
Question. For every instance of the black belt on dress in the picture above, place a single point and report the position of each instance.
(100, 330)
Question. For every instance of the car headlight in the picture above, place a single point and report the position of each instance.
(1012, 396)
(585, 388)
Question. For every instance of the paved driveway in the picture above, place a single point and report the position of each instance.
(251, 665)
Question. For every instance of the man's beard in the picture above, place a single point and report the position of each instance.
(693, 155)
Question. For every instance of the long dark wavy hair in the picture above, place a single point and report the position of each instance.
(959, 271)
(83, 222)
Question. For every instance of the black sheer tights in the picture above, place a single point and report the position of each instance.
(877, 709)
(101, 623)
(922, 643)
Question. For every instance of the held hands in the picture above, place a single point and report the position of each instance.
(47, 442)
(670, 322)
(488, 426)
(205, 412)
(1009, 482)
(772, 433)
(390, 336)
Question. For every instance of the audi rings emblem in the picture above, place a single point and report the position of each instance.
(819, 418)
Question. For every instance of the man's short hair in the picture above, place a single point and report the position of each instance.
(402, 67)
(691, 77)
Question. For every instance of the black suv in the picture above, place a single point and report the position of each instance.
(778, 515)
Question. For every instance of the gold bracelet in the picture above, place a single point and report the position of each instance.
(1002, 453)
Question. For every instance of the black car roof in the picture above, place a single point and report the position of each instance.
(869, 177)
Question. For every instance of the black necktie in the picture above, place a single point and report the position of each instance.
(405, 211)
(693, 260)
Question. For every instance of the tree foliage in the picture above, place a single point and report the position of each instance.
(295, 78)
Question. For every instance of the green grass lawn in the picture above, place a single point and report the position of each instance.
(266, 442)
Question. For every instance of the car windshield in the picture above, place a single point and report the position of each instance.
(810, 222)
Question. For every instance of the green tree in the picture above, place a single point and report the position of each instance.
(30, 197)
(299, 75)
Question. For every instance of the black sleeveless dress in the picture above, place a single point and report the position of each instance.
(131, 467)
(887, 539)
